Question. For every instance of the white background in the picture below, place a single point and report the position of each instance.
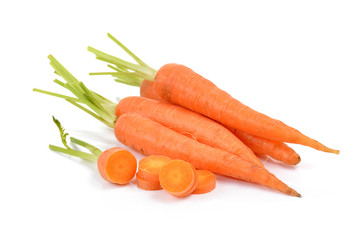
(298, 61)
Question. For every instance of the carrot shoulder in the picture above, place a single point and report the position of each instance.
(151, 138)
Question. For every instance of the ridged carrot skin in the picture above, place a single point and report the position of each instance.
(147, 90)
(180, 85)
(151, 138)
(188, 123)
(260, 146)
(277, 150)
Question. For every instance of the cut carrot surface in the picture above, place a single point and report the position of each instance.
(146, 184)
(149, 167)
(178, 178)
(117, 165)
(206, 182)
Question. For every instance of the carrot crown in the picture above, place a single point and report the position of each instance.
(96, 105)
(93, 156)
(125, 72)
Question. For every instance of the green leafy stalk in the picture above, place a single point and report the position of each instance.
(96, 151)
(85, 99)
(75, 153)
(63, 134)
(93, 156)
(125, 72)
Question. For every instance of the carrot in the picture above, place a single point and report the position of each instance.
(147, 90)
(260, 146)
(180, 85)
(115, 165)
(277, 150)
(149, 167)
(188, 123)
(178, 178)
(146, 184)
(178, 118)
(151, 138)
(206, 182)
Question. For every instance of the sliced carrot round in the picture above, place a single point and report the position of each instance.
(117, 165)
(149, 167)
(178, 178)
(206, 182)
(147, 185)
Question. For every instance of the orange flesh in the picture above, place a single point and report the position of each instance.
(147, 185)
(117, 165)
(178, 178)
(206, 182)
(150, 166)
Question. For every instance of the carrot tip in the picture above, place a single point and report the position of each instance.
(294, 193)
(336, 151)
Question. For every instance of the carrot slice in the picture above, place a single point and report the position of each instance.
(146, 184)
(117, 165)
(206, 182)
(178, 178)
(150, 166)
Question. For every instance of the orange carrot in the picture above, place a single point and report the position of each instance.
(151, 138)
(115, 165)
(178, 118)
(147, 90)
(149, 167)
(178, 178)
(260, 146)
(277, 150)
(188, 123)
(180, 85)
(206, 182)
(146, 184)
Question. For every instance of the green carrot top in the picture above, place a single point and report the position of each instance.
(93, 156)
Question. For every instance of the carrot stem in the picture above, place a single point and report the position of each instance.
(97, 105)
(56, 95)
(122, 66)
(75, 153)
(127, 50)
(91, 113)
(96, 151)
(118, 69)
(87, 156)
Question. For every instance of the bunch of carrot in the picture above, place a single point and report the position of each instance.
(182, 115)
